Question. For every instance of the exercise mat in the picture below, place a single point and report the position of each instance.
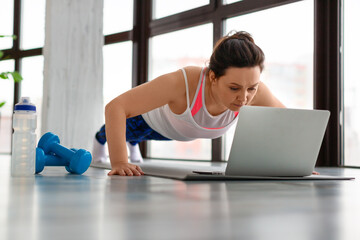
(187, 172)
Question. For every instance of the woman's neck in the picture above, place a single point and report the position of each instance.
(211, 101)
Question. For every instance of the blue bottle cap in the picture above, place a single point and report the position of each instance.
(25, 105)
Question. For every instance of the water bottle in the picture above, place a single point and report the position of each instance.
(23, 139)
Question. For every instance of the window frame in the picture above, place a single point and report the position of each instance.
(327, 57)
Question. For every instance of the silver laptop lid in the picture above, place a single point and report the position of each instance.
(276, 141)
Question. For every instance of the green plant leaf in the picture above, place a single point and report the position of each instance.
(16, 76)
(1, 54)
(12, 36)
(4, 75)
(2, 104)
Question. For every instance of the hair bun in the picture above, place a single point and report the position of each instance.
(240, 35)
(237, 49)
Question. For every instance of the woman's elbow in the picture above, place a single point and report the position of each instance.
(111, 107)
(108, 108)
(114, 107)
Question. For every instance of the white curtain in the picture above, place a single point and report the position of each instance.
(73, 71)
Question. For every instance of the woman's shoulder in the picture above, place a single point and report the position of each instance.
(193, 74)
(190, 70)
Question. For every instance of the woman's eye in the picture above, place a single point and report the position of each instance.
(252, 89)
(234, 89)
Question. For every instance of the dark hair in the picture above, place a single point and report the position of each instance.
(235, 50)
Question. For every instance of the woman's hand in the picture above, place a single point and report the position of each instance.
(126, 169)
(315, 173)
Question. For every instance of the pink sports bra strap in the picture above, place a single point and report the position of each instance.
(198, 102)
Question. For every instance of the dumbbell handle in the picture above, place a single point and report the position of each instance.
(52, 160)
(62, 151)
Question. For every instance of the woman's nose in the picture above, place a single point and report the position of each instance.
(242, 97)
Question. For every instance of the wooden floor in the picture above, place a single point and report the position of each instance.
(57, 205)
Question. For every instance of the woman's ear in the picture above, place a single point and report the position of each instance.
(212, 76)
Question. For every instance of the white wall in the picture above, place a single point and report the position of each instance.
(73, 71)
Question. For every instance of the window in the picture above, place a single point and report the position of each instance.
(117, 69)
(351, 108)
(7, 95)
(32, 84)
(163, 8)
(288, 49)
(33, 24)
(118, 16)
(6, 16)
(31, 36)
(170, 52)
(230, 1)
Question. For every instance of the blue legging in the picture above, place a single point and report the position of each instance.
(137, 130)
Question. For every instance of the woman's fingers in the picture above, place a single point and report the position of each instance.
(132, 172)
(117, 172)
(139, 169)
(112, 172)
(135, 171)
(128, 170)
(122, 172)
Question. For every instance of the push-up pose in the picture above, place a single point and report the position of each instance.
(184, 105)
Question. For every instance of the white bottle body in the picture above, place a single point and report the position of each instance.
(23, 143)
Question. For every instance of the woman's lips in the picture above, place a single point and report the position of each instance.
(238, 105)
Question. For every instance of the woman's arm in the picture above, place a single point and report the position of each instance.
(264, 97)
(136, 101)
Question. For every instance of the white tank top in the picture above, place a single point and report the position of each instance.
(195, 122)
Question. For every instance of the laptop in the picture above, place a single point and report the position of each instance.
(275, 142)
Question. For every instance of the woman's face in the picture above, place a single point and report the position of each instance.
(236, 88)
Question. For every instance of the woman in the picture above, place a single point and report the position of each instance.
(184, 105)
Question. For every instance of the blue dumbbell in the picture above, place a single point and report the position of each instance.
(75, 161)
(43, 160)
